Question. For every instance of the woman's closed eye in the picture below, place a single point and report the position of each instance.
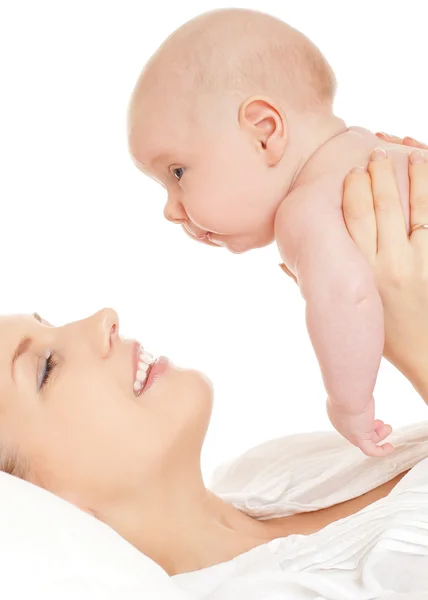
(48, 367)
(178, 173)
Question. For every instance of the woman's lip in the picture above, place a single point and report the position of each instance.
(160, 366)
(136, 349)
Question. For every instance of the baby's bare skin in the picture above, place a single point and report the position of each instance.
(344, 315)
(245, 142)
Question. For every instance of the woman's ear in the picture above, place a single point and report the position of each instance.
(266, 126)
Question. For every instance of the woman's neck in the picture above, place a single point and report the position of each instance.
(185, 527)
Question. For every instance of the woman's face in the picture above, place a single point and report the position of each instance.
(85, 433)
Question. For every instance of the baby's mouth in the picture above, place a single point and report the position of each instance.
(201, 238)
(145, 362)
(215, 242)
(197, 236)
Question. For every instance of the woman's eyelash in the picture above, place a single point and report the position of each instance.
(50, 365)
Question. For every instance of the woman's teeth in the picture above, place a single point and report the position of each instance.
(145, 362)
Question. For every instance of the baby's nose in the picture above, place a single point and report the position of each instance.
(173, 219)
(174, 212)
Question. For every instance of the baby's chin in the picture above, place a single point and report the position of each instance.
(239, 243)
(245, 245)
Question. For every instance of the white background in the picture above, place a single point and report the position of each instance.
(82, 229)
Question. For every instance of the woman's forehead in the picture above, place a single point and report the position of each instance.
(10, 323)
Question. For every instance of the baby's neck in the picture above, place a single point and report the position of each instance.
(307, 136)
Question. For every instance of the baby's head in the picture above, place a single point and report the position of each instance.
(223, 116)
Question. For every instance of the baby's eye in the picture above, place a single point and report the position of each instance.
(178, 173)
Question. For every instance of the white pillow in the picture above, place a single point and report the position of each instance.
(52, 550)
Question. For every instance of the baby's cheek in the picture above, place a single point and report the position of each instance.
(216, 208)
(203, 209)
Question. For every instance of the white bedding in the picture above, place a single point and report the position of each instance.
(50, 549)
(380, 552)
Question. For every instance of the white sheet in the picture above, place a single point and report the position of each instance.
(51, 550)
(380, 552)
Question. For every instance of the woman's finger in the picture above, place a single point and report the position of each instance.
(391, 226)
(405, 141)
(418, 173)
(393, 139)
(358, 211)
(408, 141)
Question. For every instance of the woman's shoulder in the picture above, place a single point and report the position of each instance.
(355, 555)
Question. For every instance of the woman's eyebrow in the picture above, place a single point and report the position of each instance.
(23, 345)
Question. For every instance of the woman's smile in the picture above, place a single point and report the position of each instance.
(147, 369)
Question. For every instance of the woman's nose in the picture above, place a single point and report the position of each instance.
(107, 326)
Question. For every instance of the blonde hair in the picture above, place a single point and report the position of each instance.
(11, 462)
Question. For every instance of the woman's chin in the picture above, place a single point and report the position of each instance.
(196, 392)
(183, 396)
(180, 406)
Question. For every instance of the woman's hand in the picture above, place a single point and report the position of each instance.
(375, 220)
(405, 141)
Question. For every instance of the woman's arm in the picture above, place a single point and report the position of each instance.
(375, 221)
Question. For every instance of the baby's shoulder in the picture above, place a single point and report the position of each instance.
(333, 160)
(307, 209)
(320, 182)
(312, 197)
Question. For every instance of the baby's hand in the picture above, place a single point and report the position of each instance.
(362, 429)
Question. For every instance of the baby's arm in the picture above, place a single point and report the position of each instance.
(343, 311)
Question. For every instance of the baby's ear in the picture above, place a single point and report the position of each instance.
(267, 127)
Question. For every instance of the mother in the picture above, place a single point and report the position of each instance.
(75, 420)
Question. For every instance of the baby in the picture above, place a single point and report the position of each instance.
(233, 117)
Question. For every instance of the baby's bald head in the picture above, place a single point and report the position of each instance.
(246, 52)
(223, 116)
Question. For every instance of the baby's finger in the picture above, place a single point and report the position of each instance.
(418, 173)
(358, 212)
(391, 226)
(381, 431)
(370, 449)
(288, 272)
